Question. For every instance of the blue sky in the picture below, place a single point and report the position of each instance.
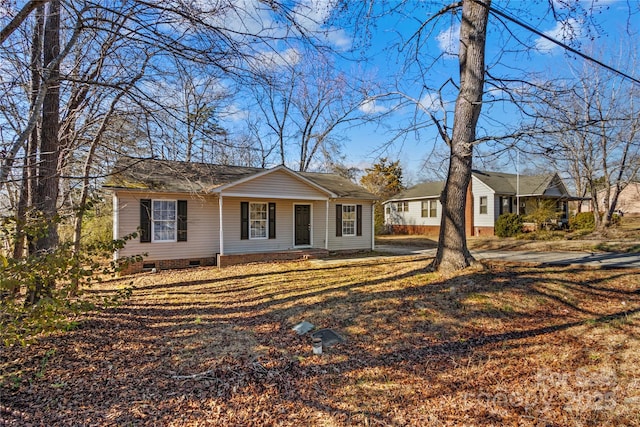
(600, 36)
(383, 56)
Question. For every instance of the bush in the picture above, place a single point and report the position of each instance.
(62, 275)
(508, 225)
(582, 221)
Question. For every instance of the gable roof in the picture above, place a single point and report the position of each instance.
(423, 190)
(189, 177)
(500, 183)
(507, 183)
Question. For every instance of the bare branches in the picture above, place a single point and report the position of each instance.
(20, 17)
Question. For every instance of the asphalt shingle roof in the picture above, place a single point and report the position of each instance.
(501, 183)
(190, 177)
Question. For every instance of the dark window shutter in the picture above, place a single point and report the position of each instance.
(272, 220)
(338, 220)
(145, 220)
(244, 220)
(358, 220)
(182, 220)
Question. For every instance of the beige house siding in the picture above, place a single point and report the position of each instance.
(284, 226)
(351, 242)
(202, 227)
(629, 200)
(277, 184)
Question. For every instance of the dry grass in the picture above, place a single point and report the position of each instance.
(510, 345)
(624, 238)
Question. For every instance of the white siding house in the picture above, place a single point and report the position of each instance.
(195, 214)
(490, 195)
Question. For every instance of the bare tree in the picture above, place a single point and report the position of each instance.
(592, 130)
(99, 61)
(305, 103)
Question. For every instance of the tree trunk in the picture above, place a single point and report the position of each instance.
(46, 194)
(29, 164)
(453, 253)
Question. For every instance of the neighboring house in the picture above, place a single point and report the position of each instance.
(202, 214)
(628, 200)
(417, 210)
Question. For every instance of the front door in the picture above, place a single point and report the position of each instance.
(303, 225)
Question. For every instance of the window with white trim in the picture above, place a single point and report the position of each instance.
(258, 224)
(164, 220)
(348, 220)
(483, 205)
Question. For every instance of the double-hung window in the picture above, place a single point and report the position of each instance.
(433, 208)
(258, 220)
(164, 220)
(483, 205)
(429, 209)
(348, 220)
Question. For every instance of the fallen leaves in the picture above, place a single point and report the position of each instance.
(515, 345)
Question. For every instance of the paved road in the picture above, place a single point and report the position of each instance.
(600, 259)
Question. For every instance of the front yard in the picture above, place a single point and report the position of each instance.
(509, 345)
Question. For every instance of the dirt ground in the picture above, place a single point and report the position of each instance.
(507, 345)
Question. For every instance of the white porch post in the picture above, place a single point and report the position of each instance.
(373, 226)
(116, 224)
(221, 222)
(326, 225)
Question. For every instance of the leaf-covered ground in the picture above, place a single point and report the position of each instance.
(509, 345)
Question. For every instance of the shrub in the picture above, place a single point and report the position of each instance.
(545, 215)
(508, 225)
(62, 274)
(582, 221)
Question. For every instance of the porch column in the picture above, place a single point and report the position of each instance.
(221, 228)
(326, 225)
(116, 224)
(373, 226)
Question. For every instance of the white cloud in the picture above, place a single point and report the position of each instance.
(272, 60)
(313, 15)
(234, 113)
(370, 106)
(430, 102)
(449, 41)
(338, 38)
(564, 31)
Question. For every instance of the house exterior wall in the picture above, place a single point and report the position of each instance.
(480, 189)
(348, 243)
(284, 225)
(277, 184)
(202, 235)
(413, 218)
(629, 199)
(203, 245)
(556, 188)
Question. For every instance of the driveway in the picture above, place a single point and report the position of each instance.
(596, 259)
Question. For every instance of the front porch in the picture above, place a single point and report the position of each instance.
(286, 255)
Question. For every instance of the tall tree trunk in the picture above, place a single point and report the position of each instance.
(453, 253)
(46, 194)
(29, 164)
